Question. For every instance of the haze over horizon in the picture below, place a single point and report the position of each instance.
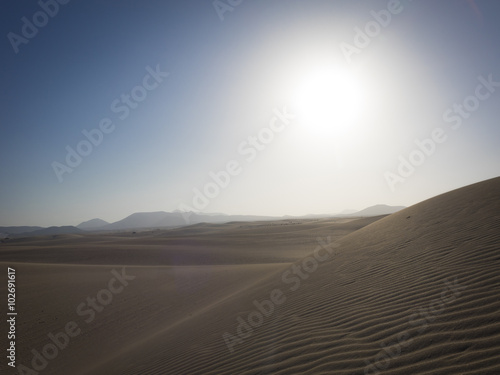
(304, 114)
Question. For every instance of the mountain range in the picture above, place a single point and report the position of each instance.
(162, 219)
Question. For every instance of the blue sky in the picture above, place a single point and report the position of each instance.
(228, 76)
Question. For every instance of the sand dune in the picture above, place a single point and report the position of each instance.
(415, 292)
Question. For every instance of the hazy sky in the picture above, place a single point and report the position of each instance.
(333, 95)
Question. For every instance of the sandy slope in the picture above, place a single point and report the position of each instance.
(412, 293)
(201, 244)
(178, 275)
(423, 283)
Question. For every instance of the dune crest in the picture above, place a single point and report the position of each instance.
(415, 292)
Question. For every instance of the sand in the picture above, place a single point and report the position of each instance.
(415, 292)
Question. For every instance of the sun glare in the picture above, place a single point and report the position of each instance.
(329, 101)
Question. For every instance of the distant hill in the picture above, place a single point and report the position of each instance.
(174, 219)
(147, 220)
(162, 219)
(50, 231)
(347, 212)
(92, 224)
(21, 229)
(9, 231)
(379, 209)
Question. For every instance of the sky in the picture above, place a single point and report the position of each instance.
(266, 107)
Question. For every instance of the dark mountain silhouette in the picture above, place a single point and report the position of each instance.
(162, 219)
(379, 209)
(49, 231)
(92, 224)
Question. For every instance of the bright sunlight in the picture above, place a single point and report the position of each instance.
(330, 101)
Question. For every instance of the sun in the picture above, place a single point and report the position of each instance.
(329, 100)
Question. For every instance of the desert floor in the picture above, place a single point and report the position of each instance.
(416, 292)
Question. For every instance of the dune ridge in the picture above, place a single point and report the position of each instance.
(386, 280)
(415, 292)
